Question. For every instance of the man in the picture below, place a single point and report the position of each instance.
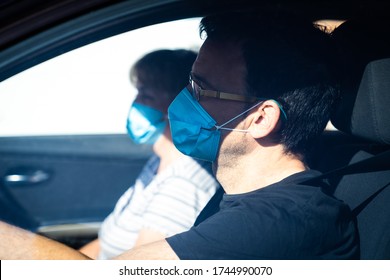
(260, 94)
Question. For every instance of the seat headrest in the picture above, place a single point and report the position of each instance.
(364, 79)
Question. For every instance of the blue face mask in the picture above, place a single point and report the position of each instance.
(194, 132)
(145, 124)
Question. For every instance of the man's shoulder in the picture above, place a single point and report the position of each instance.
(287, 198)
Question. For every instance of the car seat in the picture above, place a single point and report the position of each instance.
(363, 112)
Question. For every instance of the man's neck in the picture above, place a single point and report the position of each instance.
(256, 171)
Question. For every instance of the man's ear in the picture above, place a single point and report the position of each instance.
(265, 119)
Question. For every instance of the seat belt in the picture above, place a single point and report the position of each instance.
(379, 162)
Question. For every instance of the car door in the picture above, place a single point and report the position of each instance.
(65, 158)
(67, 181)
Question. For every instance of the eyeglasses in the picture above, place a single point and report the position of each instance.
(197, 92)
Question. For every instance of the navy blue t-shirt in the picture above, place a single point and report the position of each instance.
(285, 220)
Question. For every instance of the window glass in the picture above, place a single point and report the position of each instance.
(86, 91)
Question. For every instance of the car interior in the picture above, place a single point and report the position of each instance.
(363, 114)
(354, 157)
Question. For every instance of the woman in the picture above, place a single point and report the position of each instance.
(172, 188)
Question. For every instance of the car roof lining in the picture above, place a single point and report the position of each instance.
(23, 18)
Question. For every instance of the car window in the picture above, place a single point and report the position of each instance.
(86, 91)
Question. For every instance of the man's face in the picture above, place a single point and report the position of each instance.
(220, 66)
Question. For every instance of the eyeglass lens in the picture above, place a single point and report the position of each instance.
(195, 89)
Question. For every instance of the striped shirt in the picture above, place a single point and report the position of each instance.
(168, 202)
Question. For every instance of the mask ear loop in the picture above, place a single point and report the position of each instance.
(221, 127)
(218, 127)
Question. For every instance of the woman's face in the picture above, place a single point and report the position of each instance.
(152, 97)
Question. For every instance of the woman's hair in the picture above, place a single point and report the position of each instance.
(166, 70)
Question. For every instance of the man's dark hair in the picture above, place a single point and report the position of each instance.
(289, 60)
(166, 70)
